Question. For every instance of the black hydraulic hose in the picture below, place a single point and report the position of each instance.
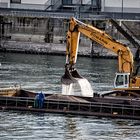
(137, 70)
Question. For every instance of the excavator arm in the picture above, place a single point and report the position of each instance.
(125, 57)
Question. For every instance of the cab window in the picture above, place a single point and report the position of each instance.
(119, 80)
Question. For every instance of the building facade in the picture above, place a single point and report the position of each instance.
(121, 6)
(48, 22)
(79, 6)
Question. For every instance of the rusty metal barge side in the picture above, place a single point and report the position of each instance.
(127, 109)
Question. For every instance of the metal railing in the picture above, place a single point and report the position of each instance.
(85, 108)
(34, 13)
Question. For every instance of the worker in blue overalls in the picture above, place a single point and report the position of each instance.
(39, 100)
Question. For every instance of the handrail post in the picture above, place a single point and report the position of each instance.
(90, 107)
(47, 104)
(6, 101)
(133, 110)
(16, 102)
(122, 110)
(58, 105)
(68, 105)
(100, 107)
(26, 102)
(79, 106)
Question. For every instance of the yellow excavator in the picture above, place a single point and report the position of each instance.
(125, 80)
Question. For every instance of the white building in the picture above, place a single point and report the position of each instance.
(23, 4)
(126, 9)
(125, 6)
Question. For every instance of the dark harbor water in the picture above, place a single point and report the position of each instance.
(40, 72)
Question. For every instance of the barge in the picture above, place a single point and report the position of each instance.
(17, 99)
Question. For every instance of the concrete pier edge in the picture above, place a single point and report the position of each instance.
(51, 49)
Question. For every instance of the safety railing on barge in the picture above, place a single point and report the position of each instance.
(127, 111)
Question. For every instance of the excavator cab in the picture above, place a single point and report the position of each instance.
(122, 80)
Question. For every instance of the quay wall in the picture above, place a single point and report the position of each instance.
(48, 35)
(53, 48)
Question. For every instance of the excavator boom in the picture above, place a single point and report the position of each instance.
(125, 57)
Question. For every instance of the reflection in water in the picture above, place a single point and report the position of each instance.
(71, 130)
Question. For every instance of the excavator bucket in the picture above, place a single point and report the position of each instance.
(75, 74)
(70, 77)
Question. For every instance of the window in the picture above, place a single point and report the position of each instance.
(67, 2)
(94, 2)
(122, 80)
(119, 80)
(15, 1)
